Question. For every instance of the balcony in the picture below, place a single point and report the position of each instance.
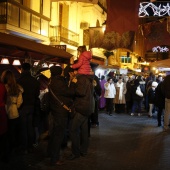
(61, 34)
(22, 20)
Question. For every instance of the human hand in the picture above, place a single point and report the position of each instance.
(72, 60)
(74, 80)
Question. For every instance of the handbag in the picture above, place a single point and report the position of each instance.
(138, 92)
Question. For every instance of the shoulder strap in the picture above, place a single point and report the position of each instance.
(61, 103)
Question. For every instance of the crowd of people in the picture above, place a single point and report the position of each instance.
(136, 94)
(75, 95)
(71, 99)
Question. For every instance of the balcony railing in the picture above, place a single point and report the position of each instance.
(23, 18)
(59, 33)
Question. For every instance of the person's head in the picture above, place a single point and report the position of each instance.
(8, 78)
(154, 85)
(56, 70)
(102, 77)
(120, 80)
(81, 49)
(26, 67)
(160, 78)
(109, 80)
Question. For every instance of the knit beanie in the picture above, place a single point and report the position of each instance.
(55, 70)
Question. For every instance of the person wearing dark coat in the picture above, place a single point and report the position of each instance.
(166, 92)
(83, 104)
(97, 94)
(58, 87)
(30, 96)
(136, 98)
(159, 102)
(151, 98)
(128, 95)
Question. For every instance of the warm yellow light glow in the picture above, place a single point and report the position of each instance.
(16, 63)
(4, 61)
(103, 28)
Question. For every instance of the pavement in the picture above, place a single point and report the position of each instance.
(120, 142)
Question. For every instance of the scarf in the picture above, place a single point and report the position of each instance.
(120, 85)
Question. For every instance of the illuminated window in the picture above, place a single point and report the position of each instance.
(46, 8)
(32, 4)
(25, 20)
(125, 59)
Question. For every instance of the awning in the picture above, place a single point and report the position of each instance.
(108, 67)
(21, 48)
(161, 63)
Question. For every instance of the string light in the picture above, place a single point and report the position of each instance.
(162, 9)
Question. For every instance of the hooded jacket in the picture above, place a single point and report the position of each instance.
(83, 64)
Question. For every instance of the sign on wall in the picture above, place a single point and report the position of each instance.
(61, 47)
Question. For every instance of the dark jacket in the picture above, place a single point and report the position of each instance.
(166, 87)
(134, 95)
(128, 95)
(159, 97)
(31, 88)
(84, 95)
(97, 88)
(151, 96)
(59, 87)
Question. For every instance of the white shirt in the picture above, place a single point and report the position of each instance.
(110, 90)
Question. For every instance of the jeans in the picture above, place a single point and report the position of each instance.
(94, 116)
(79, 134)
(57, 134)
(26, 127)
(137, 104)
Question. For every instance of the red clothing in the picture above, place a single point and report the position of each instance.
(83, 64)
(3, 115)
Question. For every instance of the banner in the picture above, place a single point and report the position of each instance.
(86, 1)
(96, 35)
(156, 34)
(122, 15)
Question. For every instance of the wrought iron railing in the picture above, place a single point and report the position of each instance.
(61, 34)
(23, 18)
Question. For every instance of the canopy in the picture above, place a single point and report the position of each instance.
(17, 47)
(161, 63)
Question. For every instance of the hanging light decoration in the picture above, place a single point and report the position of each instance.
(44, 65)
(50, 65)
(4, 61)
(35, 63)
(16, 63)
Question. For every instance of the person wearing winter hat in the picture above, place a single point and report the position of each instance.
(59, 87)
(151, 98)
(55, 70)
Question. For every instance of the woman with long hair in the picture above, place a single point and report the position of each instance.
(14, 101)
